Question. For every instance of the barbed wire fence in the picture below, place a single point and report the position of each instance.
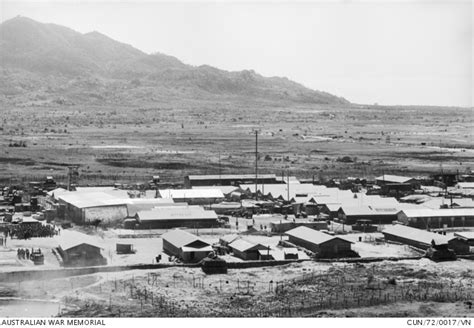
(303, 295)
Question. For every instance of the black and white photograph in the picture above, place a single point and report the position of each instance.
(236, 159)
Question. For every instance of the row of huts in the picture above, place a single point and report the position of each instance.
(175, 208)
(459, 242)
(180, 206)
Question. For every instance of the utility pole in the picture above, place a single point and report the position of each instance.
(256, 165)
(220, 178)
(288, 184)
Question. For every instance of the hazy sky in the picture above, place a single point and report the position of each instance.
(386, 52)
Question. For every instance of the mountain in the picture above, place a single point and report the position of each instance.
(46, 62)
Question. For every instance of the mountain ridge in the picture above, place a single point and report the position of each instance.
(54, 56)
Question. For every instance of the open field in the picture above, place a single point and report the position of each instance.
(174, 139)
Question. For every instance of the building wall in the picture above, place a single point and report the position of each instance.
(470, 242)
(71, 212)
(436, 222)
(225, 182)
(459, 246)
(193, 256)
(405, 241)
(199, 201)
(82, 255)
(265, 257)
(107, 214)
(375, 219)
(304, 243)
(288, 225)
(169, 224)
(334, 247)
(311, 209)
(170, 249)
(247, 256)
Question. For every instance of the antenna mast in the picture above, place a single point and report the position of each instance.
(256, 165)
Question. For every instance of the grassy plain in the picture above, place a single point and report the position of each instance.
(175, 138)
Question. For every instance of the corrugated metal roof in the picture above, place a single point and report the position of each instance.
(465, 234)
(147, 204)
(68, 241)
(295, 190)
(393, 178)
(428, 212)
(243, 245)
(95, 189)
(358, 210)
(377, 209)
(311, 235)
(85, 198)
(90, 199)
(191, 193)
(180, 238)
(415, 234)
(176, 213)
(229, 238)
(224, 189)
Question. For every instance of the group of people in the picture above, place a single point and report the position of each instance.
(25, 254)
(30, 231)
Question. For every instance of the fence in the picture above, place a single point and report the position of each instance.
(303, 295)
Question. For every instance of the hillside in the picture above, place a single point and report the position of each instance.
(48, 64)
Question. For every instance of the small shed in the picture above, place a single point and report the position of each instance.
(185, 246)
(467, 236)
(246, 250)
(291, 253)
(80, 253)
(265, 255)
(125, 249)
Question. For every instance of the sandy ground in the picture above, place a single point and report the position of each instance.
(370, 248)
(148, 244)
(290, 290)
